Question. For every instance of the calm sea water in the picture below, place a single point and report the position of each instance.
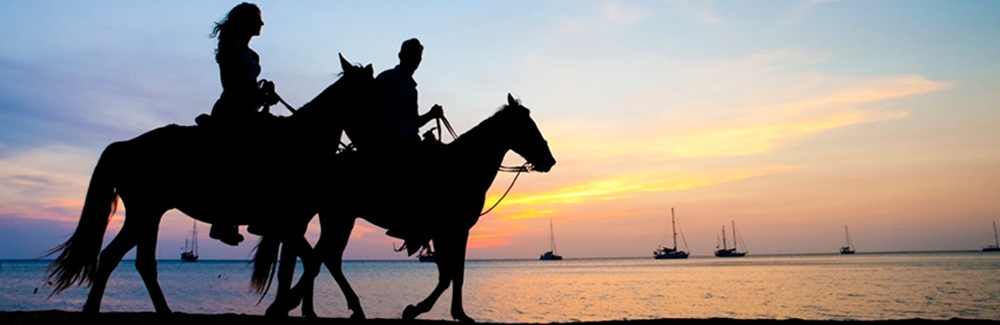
(861, 287)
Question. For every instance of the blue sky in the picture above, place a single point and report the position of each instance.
(793, 118)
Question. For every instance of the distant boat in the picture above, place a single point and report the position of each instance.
(725, 251)
(662, 253)
(426, 255)
(190, 254)
(551, 255)
(849, 249)
(995, 247)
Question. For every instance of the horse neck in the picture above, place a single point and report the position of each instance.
(316, 116)
(481, 151)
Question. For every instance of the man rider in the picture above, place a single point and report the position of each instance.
(399, 142)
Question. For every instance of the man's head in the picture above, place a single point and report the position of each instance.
(410, 55)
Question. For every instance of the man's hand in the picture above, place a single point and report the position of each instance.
(436, 112)
(267, 89)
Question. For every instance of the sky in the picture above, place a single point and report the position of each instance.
(792, 119)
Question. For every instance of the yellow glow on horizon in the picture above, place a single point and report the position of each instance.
(620, 186)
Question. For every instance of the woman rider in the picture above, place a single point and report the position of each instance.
(241, 97)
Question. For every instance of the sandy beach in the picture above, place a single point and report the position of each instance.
(64, 317)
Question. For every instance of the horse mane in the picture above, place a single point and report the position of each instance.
(485, 127)
(324, 97)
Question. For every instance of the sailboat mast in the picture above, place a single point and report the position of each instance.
(552, 237)
(995, 237)
(194, 237)
(848, 233)
(724, 245)
(673, 224)
(735, 245)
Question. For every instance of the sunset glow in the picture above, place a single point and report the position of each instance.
(793, 118)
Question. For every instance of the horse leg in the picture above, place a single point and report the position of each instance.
(457, 265)
(145, 263)
(303, 290)
(442, 258)
(108, 261)
(330, 247)
(283, 302)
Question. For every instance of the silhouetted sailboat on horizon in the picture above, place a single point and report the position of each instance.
(426, 255)
(849, 249)
(551, 255)
(190, 254)
(995, 247)
(662, 253)
(725, 251)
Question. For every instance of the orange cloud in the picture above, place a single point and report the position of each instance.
(769, 122)
(57, 210)
(485, 236)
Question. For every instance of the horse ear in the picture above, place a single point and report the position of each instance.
(368, 69)
(510, 100)
(343, 62)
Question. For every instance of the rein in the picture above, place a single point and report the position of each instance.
(509, 169)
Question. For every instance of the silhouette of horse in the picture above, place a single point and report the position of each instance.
(469, 166)
(210, 176)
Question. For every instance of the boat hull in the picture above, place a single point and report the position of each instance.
(991, 249)
(729, 253)
(549, 256)
(189, 257)
(671, 256)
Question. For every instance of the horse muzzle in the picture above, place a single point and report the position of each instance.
(543, 166)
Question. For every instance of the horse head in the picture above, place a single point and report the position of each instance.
(525, 138)
(353, 92)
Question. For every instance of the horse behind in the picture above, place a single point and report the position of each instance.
(204, 175)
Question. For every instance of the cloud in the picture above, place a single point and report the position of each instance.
(758, 123)
(45, 183)
(629, 184)
(486, 235)
(619, 14)
(697, 10)
(805, 7)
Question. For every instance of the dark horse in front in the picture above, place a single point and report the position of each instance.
(442, 212)
(237, 176)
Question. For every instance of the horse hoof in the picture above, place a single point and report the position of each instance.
(166, 318)
(90, 318)
(462, 317)
(410, 313)
(274, 313)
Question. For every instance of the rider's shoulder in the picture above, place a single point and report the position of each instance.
(390, 74)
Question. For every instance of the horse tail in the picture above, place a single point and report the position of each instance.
(77, 259)
(265, 261)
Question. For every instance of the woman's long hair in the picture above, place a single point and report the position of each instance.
(237, 17)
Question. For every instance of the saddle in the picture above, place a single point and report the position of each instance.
(403, 177)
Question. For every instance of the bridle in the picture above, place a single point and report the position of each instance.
(526, 167)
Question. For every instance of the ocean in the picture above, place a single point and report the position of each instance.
(839, 287)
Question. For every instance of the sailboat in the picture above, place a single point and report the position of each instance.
(551, 255)
(662, 253)
(994, 247)
(725, 251)
(426, 255)
(849, 249)
(190, 254)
